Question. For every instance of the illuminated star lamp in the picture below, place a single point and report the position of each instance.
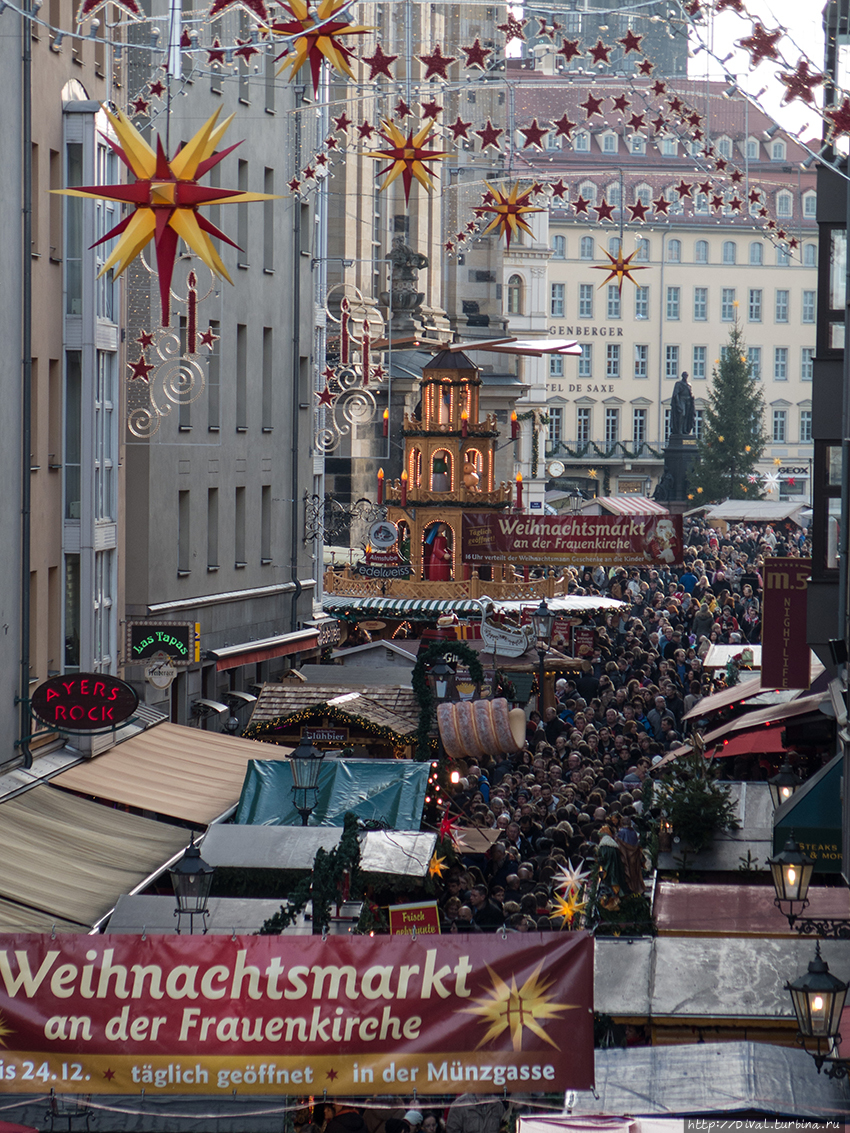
(166, 196)
(620, 268)
(509, 209)
(318, 37)
(408, 155)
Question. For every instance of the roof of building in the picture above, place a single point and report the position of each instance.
(393, 708)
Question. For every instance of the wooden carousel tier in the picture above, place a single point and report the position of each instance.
(470, 499)
(504, 588)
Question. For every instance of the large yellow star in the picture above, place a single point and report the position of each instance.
(318, 35)
(436, 866)
(509, 209)
(512, 1009)
(166, 196)
(409, 156)
(620, 268)
(567, 907)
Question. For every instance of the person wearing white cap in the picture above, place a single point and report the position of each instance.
(414, 1119)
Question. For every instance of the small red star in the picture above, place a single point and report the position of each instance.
(431, 109)
(693, 8)
(581, 206)
(378, 373)
(592, 105)
(638, 210)
(533, 135)
(460, 237)
(781, 233)
(216, 53)
(308, 172)
(460, 129)
(705, 187)
(157, 89)
(755, 196)
(140, 105)
(294, 185)
(736, 176)
(489, 135)
(800, 83)
(402, 109)
(716, 202)
(436, 63)
(721, 163)
(449, 246)
(636, 121)
(321, 159)
(145, 339)
(695, 118)
(342, 123)
(646, 66)
(110, 1074)
(365, 129)
(697, 135)
(379, 63)
(140, 369)
(332, 1074)
(630, 42)
(736, 204)
(731, 5)
(793, 243)
(488, 198)
(246, 49)
(659, 87)
(659, 123)
(684, 190)
(600, 52)
(326, 397)
(761, 44)
(564, 127)
(569, 49)
(208, 337)
(604, 211)
(548, 29)
(762, 212)
(513, 28)
(620, 103)
(838, 118)
(476, 55)
(771, 224)
(331, 142)
(559, 189)
(328, 374)
(675, 104)
(470, 226)
(661, 204)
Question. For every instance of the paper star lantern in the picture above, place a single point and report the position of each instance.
(409, 156)
(567, 908)
(436, 866)
(761, 44)
(620, 268)
(476, 55)
(318, 36)
(752, 478)
(379, 63)
(771, 481)
(800, 82)
(592, 473)
(777, 461)
(570, 877)
(509, 209)
(436, 63)
(489, 136)
(166, 196)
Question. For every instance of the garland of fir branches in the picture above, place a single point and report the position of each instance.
(611, 450)
(271, 728)
(539, 419)
(422, 692)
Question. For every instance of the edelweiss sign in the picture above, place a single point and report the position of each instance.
(350, 1015)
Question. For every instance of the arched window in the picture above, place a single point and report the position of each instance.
(674, 251)
(642, 246)
(777, 151)
(701, 252)
(612, 194)
(587, 189)
(587, 251)
(784, 203)
(810, 255)
(515, 295)
(637, 143)
(414, 471)
(810, 204)
(581, 142)
(441, 471)
(559, 247)
(643, 193)
(614, 245)
(730, 251)
(723, 146)
(756, 253)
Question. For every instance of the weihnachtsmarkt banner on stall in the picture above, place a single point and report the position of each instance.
(294, 1015)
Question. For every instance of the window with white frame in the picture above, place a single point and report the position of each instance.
(781, 306)
(637, 144)
(642, 302)
(556, 424)
(784, 203)
(669, 147)
(613, 301)
(642, 250)
(673, 303)
(810, 255)
(809, 300)
(780, 426)
(612, 425)
(756, 253)
(730, 252)
(699, 422)
(807, 363)
(612, 360)
(701, 252)
(727, 305)
(674, 251)
(586, 248)
(698, 362)
(671, 362)
(609, 143)
(585, 300)
(810, 204)
(638, 426)
(754, 305)
(805, 426)
(676, 205)
(723, 145)
(643, 193)
(700, 304)
(780, 363)
(614, 245)
(556, 300)
(587, 189)
(783, 256)
(559, 247)
(553, 140)
(585, 362)
(612, 194)
(752, 149)
(777, 151)
(514, 290)
(701, 203)
(581, 141)
(754, 361)
(583, 424)
(556, 366)
(641, 361)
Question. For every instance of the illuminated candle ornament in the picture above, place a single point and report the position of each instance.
(380, 486)
(386, 422)
(514, 426)
(518, 491)
(404, 488)
(464, 424)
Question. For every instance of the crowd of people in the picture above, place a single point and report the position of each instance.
(574, 797)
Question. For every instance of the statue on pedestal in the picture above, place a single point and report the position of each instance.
(404, 265)
(682, 408)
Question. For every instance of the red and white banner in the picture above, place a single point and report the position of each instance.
(785, 656)
(296, 1015)
(571, 540)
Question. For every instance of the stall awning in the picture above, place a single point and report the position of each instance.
(266, 649)
(628, 505)
(737, 694)
(812, 816)
(183, 772)
(766, 717)
(416, 609)
(72, 858)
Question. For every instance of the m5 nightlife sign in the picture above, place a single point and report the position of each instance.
(350, 1015)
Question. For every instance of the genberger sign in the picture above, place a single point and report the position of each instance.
(351, 1015)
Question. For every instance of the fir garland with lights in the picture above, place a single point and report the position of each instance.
(425, 743)
(607, 453)
(270, 730)
(539, 418)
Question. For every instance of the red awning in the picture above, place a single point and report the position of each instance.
(250, 652)
(760, 741)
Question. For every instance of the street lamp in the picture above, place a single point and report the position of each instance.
(192, 879)
(818, 999)
(575, 497)
(791, 873)
(543, 620)
(305, 763)
(784, 784)
(442, 681)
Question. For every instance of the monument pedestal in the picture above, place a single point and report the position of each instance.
(680, 454)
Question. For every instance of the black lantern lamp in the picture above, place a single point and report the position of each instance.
(305, 762)
(442, 681)
(818, 999)
(543, 621)
(791, 872)
(192, 879)
(784, 784)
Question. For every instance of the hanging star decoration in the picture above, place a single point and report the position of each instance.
(476, 55)
(489, 135)
(592, 473)
(409, 156)
(620, 103)
(436, 866)
(141, 368)
(600, 52)
(570, 877)
(620, 268)
(630, 42)
(89, 8)
(569, 49)
(567, 908)
(564, 127)
(771, 480)
(513, 28)
(800, 82)
(838, 118)
(319, 36)
(761, 44)
(379, 63)
(460, 129)
(509, 209)
(436, 63)
(533, 135)
(166, 196)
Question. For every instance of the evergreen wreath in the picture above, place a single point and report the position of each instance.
(422, 692)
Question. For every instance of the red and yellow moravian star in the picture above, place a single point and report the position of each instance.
(166, 196)
(620, 268)
(408, 156)
(509, 209)
(318, 36)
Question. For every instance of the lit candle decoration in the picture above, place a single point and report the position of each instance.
(404, 488)
(464, 424)
(514, 426)
(380, 486)
(343, 331)
(365, 359)
(386, 422)
(518, 491)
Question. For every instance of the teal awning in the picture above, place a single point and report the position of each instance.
(813, 815)
(387, 790)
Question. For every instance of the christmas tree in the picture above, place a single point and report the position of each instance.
(732, 439)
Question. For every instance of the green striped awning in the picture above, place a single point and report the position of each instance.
(414, 609)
